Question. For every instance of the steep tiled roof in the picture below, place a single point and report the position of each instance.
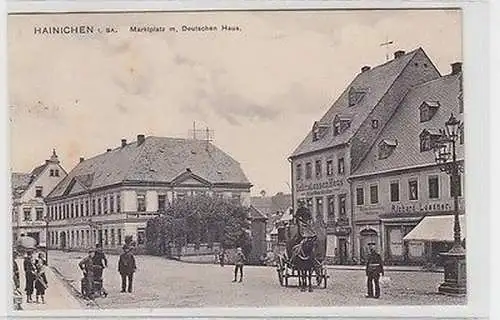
(405, 126)
(20, 182)
(157, 159)
(375, 83)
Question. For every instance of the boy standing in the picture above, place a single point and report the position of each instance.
(238, 264)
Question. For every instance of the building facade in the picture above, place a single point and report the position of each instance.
(28, 193)
(112, 195)
(398, 183)
(338, 142)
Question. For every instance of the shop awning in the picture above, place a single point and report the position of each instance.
(436, 228)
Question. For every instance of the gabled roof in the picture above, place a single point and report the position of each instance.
(271, 205)
(405, 126)
(376, 82)
(156, 160)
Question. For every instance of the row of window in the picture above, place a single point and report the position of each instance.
(318, 169)
(413, 188)
(109, 204)
(54, 172)
(80, 208)
(27, 214)
(330, 205)
(82, 238)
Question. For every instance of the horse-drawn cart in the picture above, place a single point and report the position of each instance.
(286, 270)
(289, 264)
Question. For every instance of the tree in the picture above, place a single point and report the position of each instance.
(198, 219)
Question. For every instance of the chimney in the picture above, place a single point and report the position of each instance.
(140, 139)
(456, 67)
(365, 68)
(124, 142)
(399, 54)
(108, 150)
(82, 159)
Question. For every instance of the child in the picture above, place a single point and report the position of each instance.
(40, 281)
(238, 264)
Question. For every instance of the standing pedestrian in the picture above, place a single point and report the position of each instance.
(126, 268)
(41, 258)
(40, 281)
(238, 264)
(99, 260)
(29, 272)
(87, 266)
(374, 268)
(222, 257)
(15, 266)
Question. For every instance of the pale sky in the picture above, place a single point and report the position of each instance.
(259, 89)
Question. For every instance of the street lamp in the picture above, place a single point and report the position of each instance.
(446, 158)
(47, 240)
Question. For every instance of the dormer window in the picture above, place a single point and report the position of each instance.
(355, 96)
(428, 110)
(428, 139)
(318, 130)
(386, 147)
(340, 124)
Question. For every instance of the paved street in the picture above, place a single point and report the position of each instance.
(161, 283)
(57, 296)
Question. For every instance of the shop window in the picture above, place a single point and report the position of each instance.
(141, 203)
(360, 196)
(433, 187)
(308, 170)
(373, 194)
(413, 190)
(299, 172)
(394, 191)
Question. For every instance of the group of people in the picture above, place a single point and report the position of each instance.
(93, 265)
(35, 277)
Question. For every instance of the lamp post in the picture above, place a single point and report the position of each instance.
(47, 240)
(445, 156)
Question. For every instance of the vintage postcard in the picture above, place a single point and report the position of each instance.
(226, 159)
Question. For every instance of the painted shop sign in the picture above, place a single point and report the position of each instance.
(422, 207)
(331, 183)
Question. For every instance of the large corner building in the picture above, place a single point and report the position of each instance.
(336, 170)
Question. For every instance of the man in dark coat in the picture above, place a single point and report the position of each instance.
(374, 268)
(126, 268)
(87, 266)
(29, 272)
(99, 260)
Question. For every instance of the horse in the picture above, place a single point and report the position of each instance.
(303, 257)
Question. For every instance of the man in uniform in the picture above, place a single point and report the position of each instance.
(374, 268)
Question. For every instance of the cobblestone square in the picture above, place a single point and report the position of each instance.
(162, 283)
